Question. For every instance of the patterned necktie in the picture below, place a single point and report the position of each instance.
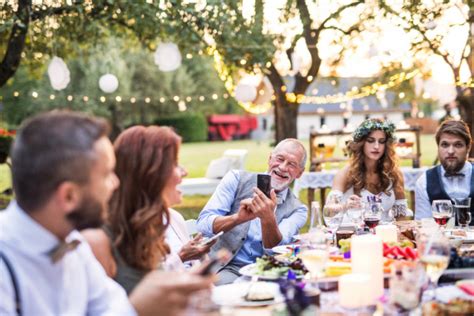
(454, 174)
(64, 247)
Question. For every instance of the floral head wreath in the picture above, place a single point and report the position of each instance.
(370, 125)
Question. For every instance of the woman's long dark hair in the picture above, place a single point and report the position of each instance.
(387, 168)
(146, 158)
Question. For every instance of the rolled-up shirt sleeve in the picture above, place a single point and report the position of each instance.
(219, 204)
(291, 226)
(422, 201)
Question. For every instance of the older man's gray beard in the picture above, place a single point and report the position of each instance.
(279, 186)
(454, 166)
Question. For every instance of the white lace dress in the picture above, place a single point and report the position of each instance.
(398, 207)
(387, 200)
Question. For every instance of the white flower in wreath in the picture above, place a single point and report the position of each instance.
(167, 57)
(58, 73)
(108, 83)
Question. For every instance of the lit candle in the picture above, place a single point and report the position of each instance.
(388, 233)
(367, 257)
(353, 289)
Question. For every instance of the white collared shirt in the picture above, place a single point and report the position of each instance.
(75, 285)
(455, 187)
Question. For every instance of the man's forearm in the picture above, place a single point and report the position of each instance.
(225, 223)
(271, 235)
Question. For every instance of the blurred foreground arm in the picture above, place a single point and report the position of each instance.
(160, 294)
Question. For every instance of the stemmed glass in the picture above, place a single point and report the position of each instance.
(442, 211)
(434, 250)
(355, 214)
(333, 213)
(372, 215)
(463, 212)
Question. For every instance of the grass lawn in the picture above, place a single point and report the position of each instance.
(195, 157)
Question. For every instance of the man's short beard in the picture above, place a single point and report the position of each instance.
(453, 167)
(89, 214)
(279, 186)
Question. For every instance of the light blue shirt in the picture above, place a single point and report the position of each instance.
(220, 205)
(455, 187)
(75, 285)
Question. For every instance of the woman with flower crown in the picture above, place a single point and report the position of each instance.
(372, 170)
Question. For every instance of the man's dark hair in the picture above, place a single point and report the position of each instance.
(454, 127)
(49, 149)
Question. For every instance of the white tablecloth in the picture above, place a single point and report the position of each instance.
(324, 179)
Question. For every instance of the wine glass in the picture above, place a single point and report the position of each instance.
(434, 250)
(372, 216)
(442, 211)
(314, 258)
(333, 214)
(355, 214)
(463, 211)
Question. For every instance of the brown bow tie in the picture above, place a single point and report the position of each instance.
(64, 247)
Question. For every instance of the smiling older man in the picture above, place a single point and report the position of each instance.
(251, 221)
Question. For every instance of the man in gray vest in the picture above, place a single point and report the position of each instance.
(253, 223)
(454, 178)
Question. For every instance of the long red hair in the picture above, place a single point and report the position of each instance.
(146, 157)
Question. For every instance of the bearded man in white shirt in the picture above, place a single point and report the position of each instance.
(454, 177)
(63, 176)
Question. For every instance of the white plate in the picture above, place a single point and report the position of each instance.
(468, 239)
(283, 249)
(250, 271)
(233, 295)
(303, 236)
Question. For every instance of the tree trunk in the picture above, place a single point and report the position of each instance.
(286, 115)
(16, 42)
(466, 108)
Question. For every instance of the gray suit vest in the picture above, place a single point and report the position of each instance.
(235, 238)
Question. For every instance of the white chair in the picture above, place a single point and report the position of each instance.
(231, 159)
(238, 157)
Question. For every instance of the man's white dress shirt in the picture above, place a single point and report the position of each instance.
(75, 285)
(455, 188)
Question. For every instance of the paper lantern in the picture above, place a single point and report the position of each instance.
(108, 83)
(58, 73)
(245, 92)
(167, 57)
(264, 91)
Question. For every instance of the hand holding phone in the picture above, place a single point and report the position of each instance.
(207, 241)
(264, 183)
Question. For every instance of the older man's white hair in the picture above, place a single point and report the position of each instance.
(294, 145)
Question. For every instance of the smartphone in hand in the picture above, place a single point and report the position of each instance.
(207, 241)
(264, 183)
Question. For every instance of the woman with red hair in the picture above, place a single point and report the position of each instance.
(132, 242)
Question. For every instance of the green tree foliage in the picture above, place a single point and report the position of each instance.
(191, 127)
(138, 78)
